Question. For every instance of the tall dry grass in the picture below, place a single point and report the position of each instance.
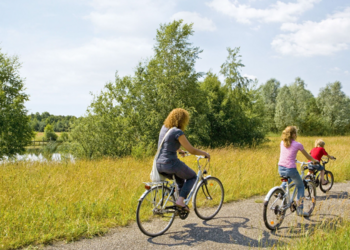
(42, 202)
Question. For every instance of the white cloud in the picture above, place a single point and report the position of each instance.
(315, 38)
(129, 16)
(335, 69)
(250, 76)
(278, 12)
(346, 72)
(65, 76)
(199, 23)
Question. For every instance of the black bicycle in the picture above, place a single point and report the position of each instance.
(316, 178)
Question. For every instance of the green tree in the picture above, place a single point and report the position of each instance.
(235, 111)
(130, 111)
(285, 111)
(301, 100)
(269, 92)
(295, 105)
(15, 132)
(335, 108)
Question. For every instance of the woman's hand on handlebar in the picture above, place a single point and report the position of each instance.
(206, 155)
(182, 153)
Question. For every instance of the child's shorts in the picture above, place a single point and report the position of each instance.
(318, 167)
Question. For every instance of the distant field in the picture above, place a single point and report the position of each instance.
(42, 202)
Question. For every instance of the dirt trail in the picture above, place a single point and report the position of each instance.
(239, 225)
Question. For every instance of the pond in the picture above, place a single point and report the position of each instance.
(56, 157)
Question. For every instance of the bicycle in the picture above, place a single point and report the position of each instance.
(315, 176)
(278, 200)
(156, 209)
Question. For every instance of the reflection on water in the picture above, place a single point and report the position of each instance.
(56, 157)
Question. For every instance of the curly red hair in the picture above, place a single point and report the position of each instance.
(177, 118)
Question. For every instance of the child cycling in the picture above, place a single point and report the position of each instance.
(287, 167)
(317, 152)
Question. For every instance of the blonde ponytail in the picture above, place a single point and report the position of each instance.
(287, 135)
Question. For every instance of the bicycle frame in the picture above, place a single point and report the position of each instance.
(173, 187)
(287, 196)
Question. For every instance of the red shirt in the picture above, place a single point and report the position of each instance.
(317, 153)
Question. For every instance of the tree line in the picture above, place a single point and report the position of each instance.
(126, 116)
(59, 123)
(326, 114)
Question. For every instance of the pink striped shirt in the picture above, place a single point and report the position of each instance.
(288, 155)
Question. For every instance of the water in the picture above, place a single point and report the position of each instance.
(56, 157)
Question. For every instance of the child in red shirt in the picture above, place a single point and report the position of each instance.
(317, 152)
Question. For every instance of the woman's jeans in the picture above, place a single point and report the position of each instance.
(185, 177)
(294, 176)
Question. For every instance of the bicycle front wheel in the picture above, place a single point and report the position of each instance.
(208, 198)
(310, 197)
(155, 211)
(328, 178)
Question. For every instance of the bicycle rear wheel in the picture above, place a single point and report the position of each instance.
(274, 210)
(152, 217)
(310, 197)
(328, 177)
(208, 198)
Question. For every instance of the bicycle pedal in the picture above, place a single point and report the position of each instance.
(183, 214)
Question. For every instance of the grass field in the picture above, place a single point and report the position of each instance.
(42, 202)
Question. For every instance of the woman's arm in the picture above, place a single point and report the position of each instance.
(309, 157)
(187, 145)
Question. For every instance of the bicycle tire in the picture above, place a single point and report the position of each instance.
(310, 197)
(150, 218)
(273, 214)
(208, 198)
(328, 176)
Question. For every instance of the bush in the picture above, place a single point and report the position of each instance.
(49, 134)
(64, 136)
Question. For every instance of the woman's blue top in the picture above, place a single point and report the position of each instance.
(171, 144)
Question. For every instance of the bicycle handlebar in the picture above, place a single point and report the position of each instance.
(198, 156)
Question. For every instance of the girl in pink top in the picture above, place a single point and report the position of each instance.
(287, 166)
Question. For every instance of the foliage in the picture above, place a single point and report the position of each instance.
(60, 123)
(129, 113)
(269, 92)
(235, 112)
(125, 118)
(15, 132)
(49, 134)
(328, 114)
(64, 136)
(334, 107)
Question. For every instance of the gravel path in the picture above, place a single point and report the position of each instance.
(239, 225)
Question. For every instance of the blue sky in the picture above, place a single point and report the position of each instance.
(70, 49)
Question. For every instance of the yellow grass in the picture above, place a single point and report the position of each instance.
(42, 202)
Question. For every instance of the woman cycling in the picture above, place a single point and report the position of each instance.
(287, 166)
(168, 163)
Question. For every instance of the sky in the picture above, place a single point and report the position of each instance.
(69, 49)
